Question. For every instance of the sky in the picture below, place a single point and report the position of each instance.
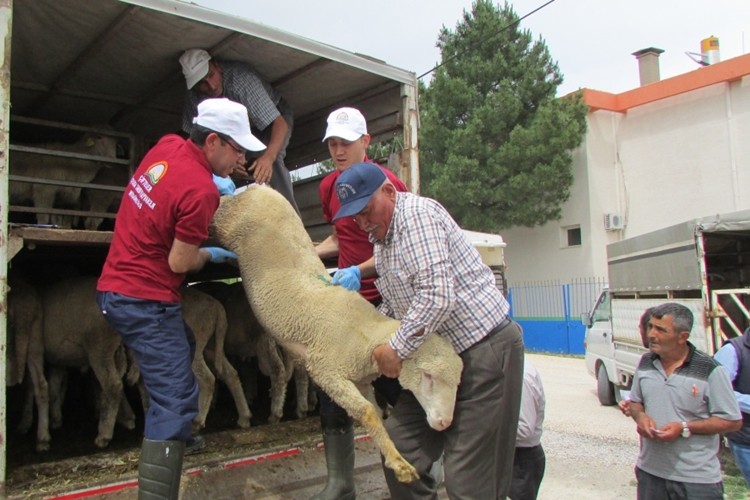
(591, 40)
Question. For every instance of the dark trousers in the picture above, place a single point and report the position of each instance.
(163, 346)
(479, 445)
(652, 487)
(528, 471)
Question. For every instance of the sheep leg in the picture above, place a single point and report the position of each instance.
(43, 197)
(248, 373)
(302, 386)
(41, 396)
(206, 384)
(105, 370)
(229, 376)
(345, 394)
(125, 414)
(35, 367)
(57, 383)
(271, 365)
(27, 410)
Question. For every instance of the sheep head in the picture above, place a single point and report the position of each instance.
(433, 375)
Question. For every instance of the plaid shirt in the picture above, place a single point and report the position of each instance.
(243, 85)
(433, 279)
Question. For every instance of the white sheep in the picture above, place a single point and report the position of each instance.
(246, 338)
(101, 200)
(332, 329)
(77, 336)
(26, 354)
(57, 168)
(207, 319)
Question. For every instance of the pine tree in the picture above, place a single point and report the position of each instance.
(495, 144)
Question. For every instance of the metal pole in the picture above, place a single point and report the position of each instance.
(410, 159)
(6, 18)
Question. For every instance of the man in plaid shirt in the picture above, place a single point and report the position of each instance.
(433, 280)
(268, 112)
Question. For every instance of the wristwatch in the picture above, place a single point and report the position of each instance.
(685, 430)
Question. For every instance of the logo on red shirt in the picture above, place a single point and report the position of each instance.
(156, 171)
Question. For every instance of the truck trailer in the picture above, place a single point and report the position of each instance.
(110, 67)
(703, 264)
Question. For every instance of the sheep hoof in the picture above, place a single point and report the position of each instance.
(243, 422)
(102, 442)
(128, 423)
(274, 419)
(404, 471)
(42, 446)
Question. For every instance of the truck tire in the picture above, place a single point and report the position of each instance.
(605, 390)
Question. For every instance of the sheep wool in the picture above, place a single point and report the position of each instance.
(332, 329)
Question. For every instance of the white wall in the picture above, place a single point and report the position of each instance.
(659, 164)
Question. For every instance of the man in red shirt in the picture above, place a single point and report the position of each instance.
(347, 139)
(162, 221)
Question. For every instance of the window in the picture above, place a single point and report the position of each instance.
(602, 311)
(572, 237)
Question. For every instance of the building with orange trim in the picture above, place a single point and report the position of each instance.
(652, 157)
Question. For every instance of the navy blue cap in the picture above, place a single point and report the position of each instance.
(355, 186)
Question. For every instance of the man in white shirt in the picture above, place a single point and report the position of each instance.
(529, 460)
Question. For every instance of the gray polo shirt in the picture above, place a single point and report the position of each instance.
(698, 389)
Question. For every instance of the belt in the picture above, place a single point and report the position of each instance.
(499, 327)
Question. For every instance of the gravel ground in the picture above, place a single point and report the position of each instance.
(591, 449)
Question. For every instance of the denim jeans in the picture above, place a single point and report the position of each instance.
(163, 346)
(741, 454)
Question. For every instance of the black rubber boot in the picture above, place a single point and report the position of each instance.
(159, 470)
(195, 445)
(339, 447)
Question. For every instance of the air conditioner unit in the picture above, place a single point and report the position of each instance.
(614, 222)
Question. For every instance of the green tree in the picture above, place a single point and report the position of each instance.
(376, 151)
(495, 144)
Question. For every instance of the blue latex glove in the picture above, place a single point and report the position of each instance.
(349, 278)
(225, 185)
(219, 255)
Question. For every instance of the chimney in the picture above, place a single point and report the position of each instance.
(648, 65)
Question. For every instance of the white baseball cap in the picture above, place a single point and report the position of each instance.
(229, 118)
(194, 64)
(347, 123)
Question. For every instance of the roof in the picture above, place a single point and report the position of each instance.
(726, 71)
(116, 62)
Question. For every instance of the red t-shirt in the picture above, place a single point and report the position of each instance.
(354, 245)
(171, 195)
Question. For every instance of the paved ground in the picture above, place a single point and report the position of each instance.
(590, 453)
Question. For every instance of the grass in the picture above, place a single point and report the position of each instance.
(735, 487)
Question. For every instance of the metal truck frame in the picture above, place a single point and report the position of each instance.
(703, 264)
(113, 63)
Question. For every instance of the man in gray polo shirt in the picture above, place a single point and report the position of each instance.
(681, 400)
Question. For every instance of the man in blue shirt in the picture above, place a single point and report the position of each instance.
(735, 357)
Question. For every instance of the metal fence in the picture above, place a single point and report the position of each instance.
(554, 300)
(549, 312)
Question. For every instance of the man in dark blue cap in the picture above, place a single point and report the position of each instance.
(434, 281)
